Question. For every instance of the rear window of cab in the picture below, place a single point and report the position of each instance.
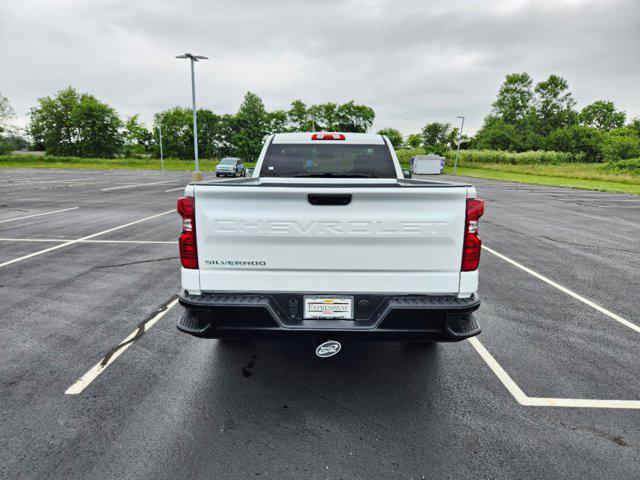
(328, 160)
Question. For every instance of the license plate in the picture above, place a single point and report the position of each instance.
(328, 307)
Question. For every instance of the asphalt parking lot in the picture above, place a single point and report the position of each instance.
(88, 259)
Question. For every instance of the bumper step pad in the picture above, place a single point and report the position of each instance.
(462, 325)
(194, 322)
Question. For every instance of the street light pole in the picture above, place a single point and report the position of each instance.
(194, 58)
(161, 153)
(455, 164)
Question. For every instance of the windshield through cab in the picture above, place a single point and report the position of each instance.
(328, 160)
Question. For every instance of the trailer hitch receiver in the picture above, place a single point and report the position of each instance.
(328, 349)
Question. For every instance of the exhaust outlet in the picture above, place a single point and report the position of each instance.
(328, 349)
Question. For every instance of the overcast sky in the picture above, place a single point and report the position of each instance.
(412, 61)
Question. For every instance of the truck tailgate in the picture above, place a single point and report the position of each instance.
(387, 239)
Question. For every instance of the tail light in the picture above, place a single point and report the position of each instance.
(187, 242)
(472, 242)
(328, 136)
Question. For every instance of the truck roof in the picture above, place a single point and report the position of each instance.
(306, 137)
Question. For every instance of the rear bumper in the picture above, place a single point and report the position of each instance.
(377, 317)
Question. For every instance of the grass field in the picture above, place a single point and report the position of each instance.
(46, 161)
(588, 176)
(583, 176)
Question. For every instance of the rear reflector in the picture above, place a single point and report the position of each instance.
(328, 136)
(187, 241)
(472, 243)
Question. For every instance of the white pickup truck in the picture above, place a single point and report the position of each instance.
(328, 240)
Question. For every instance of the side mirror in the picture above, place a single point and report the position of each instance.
(248, 172)
(406, 172)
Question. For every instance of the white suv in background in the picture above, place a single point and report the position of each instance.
(230, 167)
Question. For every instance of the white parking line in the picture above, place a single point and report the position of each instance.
(174, 189)
(139, 185)
(586, 301)
(45, 181)
(46, 240)
(100, 367)
(516, 391)
(126, 173)
(63, 240)
(142, 242)
(23, 179)
(503, 376)
(527, 401)
(71, 242)
(38, 214)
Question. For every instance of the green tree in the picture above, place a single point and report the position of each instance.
(324, 116)
(347, 117)
(584, 143)
(51, 124)
(438, 149)
(76, 124)
(602, 115)
(136, 138)
(512, 125)
(634, 126)
(452, 139)
(299, 117)
(209, 133)
(12, 141)
(554, 105)
(515, 97)
(414, 140)
(496, 134)
(177, 132)
(394, 136)
(619, 145)
(227, 128)
(354, 118)
(6, 114)
(523, 116)
(251, 126)
(99, 126)
(529, 138)
(435, 133)
(277, 121)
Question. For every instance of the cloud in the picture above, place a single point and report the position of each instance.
(413, 62)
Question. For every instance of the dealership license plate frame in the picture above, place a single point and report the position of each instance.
(330, 312)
